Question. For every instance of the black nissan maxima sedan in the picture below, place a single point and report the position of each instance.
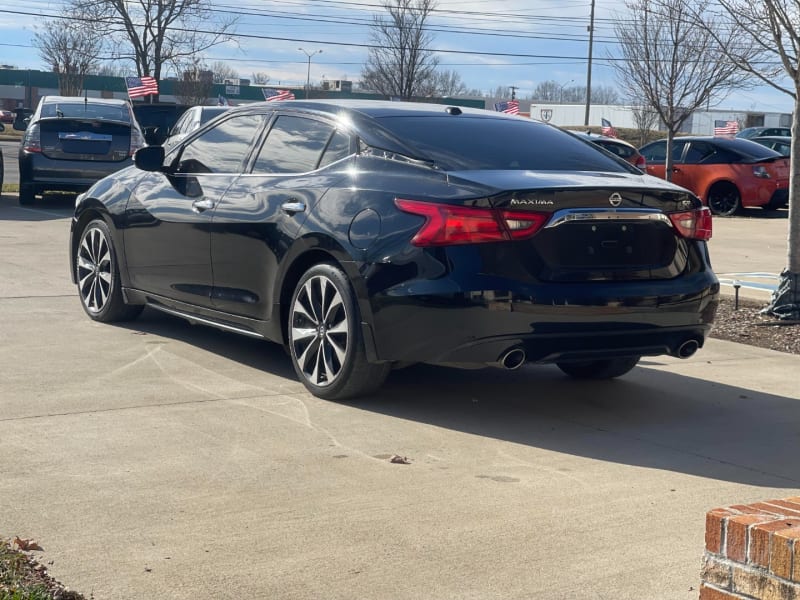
(364, 235)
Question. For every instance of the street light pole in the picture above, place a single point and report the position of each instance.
(308, 73)
(561, 91)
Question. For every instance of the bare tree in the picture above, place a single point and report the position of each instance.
(223, 71)
(71, 48)
(773, 28)
(400, 62)
(672, 63)
(195, 83)
(446, 84)
(260, 78)
(645, 119)
(156, 33)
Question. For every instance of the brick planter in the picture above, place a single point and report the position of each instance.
(752, 552)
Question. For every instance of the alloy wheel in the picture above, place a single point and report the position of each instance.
(94, 270)
(319, 330)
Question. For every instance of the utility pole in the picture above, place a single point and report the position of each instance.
(513, 89)
(589, 69)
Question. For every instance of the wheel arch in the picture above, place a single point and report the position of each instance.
(90, 211)
(719, 182)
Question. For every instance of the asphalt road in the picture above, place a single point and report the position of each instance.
(163, 460)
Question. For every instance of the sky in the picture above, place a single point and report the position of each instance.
(504, 43)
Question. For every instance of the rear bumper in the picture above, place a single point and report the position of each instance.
(44, 173)
(593, 321)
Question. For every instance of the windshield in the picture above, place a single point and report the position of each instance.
(86, 110)
(481, 143)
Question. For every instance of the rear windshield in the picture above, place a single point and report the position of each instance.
(81, 110)
(479, 143)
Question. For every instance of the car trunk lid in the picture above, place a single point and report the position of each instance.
(85, 139)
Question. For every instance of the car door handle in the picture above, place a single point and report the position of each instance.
(199, 206)
(293, 207)
(676, 170)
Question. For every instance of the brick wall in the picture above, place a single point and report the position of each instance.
(752, 552)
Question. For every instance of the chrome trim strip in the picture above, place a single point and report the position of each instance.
(567, 215)
(195, 319)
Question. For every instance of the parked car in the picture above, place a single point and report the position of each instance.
(781, 144)
(157, 120)
(368, 234)
(191, 120)
(751, 132)
(6, 116)
(70, 143)
(621, 148)
(728, 174)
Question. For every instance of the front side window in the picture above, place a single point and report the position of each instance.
(221, 149)
(293, 145)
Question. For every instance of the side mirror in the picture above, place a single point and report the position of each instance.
(149, 158)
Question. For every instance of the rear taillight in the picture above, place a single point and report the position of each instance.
(693, 224)
(448, 225)
(32, 142)
(137, 141)
(641, 162)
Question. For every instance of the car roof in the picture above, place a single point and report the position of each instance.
(365, 116)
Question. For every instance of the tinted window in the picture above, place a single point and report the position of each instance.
(86, 110)
(465, 142)
(655, 152)
(221, 149)
(699, 152)
(338, 148)
(619, 149)
(746, 149)
(294, 145)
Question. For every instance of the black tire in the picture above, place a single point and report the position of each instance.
(97, 273)
(724, 200)
(599, 369)
(27, 194)
(324, 336)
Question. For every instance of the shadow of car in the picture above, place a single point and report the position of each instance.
(365, 235)
(728, 174)
(70, 143)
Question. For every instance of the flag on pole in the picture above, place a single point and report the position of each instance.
(141, 86)
(607, 128)
(726, 127)
(272, 95)
(510, 107)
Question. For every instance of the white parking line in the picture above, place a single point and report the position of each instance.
(743, 280)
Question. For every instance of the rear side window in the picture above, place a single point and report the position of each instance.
(465, 143)
(618, 149)
(294, 145)
(221, 149)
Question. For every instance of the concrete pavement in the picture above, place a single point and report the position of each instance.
(162, 460)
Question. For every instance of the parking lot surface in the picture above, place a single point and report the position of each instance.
(162, 460)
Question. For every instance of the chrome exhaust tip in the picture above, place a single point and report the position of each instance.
(513, 359)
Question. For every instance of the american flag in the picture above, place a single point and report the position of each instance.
(607, 128)
(510, 107)
(141, 86)
(726, 127)
(271, 94)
